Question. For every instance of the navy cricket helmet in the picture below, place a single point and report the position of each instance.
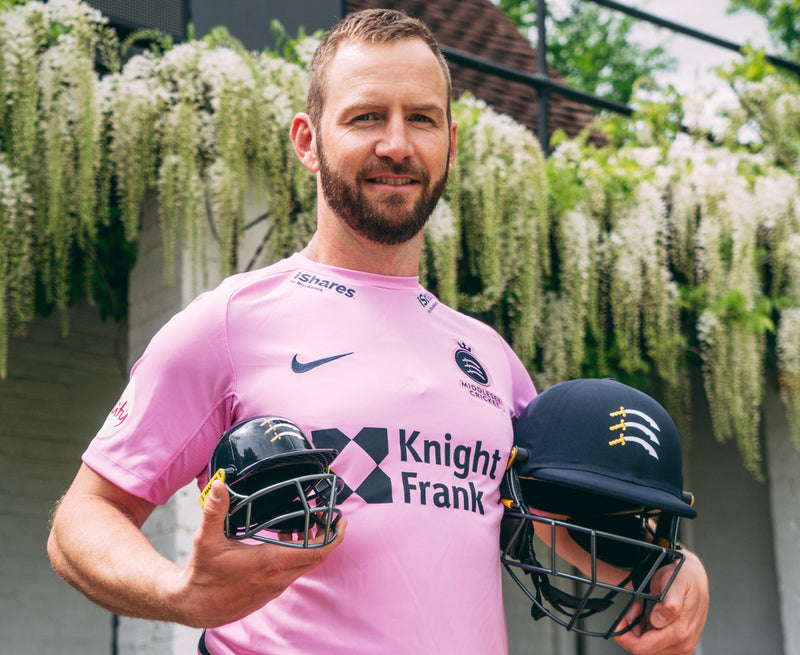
(597, 471)
(279, 484)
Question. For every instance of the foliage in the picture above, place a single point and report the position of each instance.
(54, 173)
(501, 249)
(591, 47)
(769, 111)
(634, 260)
(782, 18)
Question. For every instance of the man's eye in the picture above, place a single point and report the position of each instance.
(420, 118)
(364, 117)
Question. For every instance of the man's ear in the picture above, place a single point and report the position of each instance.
(451, 156)
(304, 140)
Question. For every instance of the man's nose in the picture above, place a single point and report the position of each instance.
(395, 142)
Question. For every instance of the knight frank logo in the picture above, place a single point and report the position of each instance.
(634, 431)
(449, 464)
(375, 487)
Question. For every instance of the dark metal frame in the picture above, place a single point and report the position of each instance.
(544, 84)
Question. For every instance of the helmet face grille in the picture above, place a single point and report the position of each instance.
(281, 500)
(280, 487)
(301, 507)
(619, 570)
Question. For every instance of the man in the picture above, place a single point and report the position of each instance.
(418, 399)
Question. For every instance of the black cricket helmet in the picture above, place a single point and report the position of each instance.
(281, 488)
(596, 469)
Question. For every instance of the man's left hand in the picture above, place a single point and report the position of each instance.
(676, 623)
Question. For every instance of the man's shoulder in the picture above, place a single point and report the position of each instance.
(467, 321)
(240, 283)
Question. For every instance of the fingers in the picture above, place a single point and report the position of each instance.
(316, 536)
(666, 611)
(276, 567)
(254, 574)
(676, 623)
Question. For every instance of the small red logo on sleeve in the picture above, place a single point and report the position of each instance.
(119, 414)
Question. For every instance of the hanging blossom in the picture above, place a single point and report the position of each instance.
(50, 135)
(769, 110)
(554, 363)
(484, 183)
(578, 238)
(779, 217)
(16, 256)
(222, 69)
(441, 242)
(304, 50)
(67, 174)
(637, 287)
(732, 341)
(71, 13)
(502, 174)
(777, 199)
(211, 119)
(684, 194)
(498, 191)
(131, 102)
(287, 184)
(19, 39)
(788, 351)
(573, 312)
(769, 107)
(788, 338)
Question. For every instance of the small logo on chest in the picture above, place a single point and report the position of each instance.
(305, 367)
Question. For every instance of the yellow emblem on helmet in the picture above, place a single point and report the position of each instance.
(219, 475)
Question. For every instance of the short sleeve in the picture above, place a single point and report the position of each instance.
(179, 399)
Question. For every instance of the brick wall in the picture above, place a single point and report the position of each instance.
(58, 392)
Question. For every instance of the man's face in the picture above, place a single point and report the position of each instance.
(384, 143)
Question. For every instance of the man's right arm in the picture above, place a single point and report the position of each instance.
(97, 546)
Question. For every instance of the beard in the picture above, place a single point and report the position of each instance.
(388, 222)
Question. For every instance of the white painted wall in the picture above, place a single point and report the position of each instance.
(783, 466)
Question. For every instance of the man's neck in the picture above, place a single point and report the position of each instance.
(335, 245)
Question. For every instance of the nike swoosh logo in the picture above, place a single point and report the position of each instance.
(300, 367)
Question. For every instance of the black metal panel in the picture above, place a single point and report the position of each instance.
(249, 20)
(168, 16)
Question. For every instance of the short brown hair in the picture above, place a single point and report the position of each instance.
(367, 26)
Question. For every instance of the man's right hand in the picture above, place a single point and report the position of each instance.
(226, 579)
(96, 545)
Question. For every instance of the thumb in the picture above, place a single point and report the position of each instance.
(216, 507)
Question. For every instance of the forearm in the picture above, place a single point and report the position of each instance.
(568, 550)
(96, 546)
